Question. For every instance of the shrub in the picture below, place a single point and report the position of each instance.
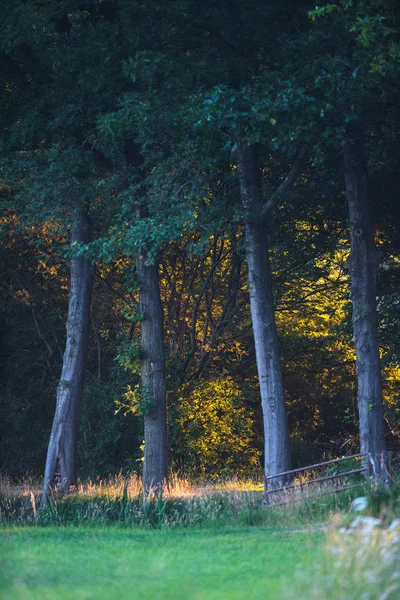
(213, 429)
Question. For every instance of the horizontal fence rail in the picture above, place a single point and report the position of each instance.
(322, 464)
(324, 493)
(302, 484)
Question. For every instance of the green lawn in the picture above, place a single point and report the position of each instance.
(105, 563)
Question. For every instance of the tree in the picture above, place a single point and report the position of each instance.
(277, 449)
(51, 154)
(61, 461)
(234, 103)
(363, 264)
(152, 373)
(176, 126)
(366, 67)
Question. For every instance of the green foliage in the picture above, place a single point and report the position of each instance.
(138, 400)
(132, 109)
(384, 501)
(33, 301)
(342, 467)
(129, 356)
(108, 442)
(212, 428)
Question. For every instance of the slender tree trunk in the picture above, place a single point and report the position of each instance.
(61, 461)
(277, 443)
(363, 266)
(152, 371)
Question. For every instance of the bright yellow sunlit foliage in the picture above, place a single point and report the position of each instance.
(391, 391)
(312, 307)
(37, 244)
(214, 427)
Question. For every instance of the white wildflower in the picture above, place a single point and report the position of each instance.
(366, 524)
(394, 525)
(360, 504)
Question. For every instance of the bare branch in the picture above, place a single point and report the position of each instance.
(287, 184)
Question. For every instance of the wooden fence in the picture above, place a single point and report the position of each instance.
(367, 467)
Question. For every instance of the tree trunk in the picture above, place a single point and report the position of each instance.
(61, 461)
(363, 266)
(277, 443)
(152, 372)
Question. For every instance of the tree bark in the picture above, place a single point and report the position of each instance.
(363, 266)
(61, 461)
(277, 443)
(152, 372)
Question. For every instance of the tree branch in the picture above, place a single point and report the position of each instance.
(287, 184)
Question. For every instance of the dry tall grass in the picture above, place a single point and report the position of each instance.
(120, 500)
(176, 487)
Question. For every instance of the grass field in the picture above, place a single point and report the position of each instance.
(107, 563)
(108, 542)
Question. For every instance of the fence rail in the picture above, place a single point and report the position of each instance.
(367, 469)
(322, 464)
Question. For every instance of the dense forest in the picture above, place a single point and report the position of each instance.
(200, 236)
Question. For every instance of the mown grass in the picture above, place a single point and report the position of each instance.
(258, 562)
(108, 563)
(107, 541)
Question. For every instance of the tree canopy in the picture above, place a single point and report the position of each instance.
(186, 132)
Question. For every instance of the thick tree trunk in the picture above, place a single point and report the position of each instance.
(152, 371)
(363, 266)
(277, 443)
(61, 461)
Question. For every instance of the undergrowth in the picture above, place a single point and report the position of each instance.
(184, 504)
